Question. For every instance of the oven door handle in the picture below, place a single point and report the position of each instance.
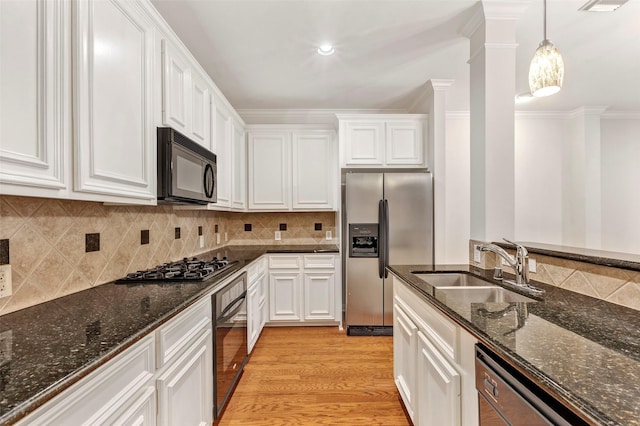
(234, 307)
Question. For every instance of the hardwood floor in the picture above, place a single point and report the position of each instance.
(317, 375)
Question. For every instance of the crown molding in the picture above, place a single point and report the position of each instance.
(305, 116)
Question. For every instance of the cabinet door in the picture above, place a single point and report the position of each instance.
(314, 170)
(404, 142)
(141, 412)
(200, 128)
(185, 389)
(176, 88)
(319, 295)
(284, 296)
(438, 387)
(364, 143)
(223, 156)
(269, 171)
(114, 130)
(239, 178)
(34, 101)
(253, 316)
(405, 335)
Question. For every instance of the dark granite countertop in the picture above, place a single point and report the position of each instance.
(56, 343)
(599, 257)
(583, 350)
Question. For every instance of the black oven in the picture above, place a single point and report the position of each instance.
(186, 171)
(229, 339)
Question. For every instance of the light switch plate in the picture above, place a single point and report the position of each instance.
(328, 235)
(201, 241)
(5, 280)
(533, 265)
(226, 237)
(278, 236)
(217, 238)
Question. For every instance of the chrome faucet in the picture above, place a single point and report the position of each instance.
(519, 263)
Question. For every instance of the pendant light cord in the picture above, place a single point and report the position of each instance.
(545, 19)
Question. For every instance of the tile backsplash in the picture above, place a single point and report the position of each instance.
(615, 285)
(59, 247)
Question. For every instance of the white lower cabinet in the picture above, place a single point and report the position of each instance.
(405, 335)
(114, 393)
(304, 288)
(166, 379)
(185, 389)
(433, 363)
(438, 392)
(256, 302)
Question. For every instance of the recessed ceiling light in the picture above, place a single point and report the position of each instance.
(602, 5)
(326, 50)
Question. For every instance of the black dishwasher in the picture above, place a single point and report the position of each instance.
(507, 397)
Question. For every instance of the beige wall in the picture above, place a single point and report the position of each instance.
(615, 285)
(47, 241)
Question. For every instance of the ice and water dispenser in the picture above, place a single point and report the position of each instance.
(363, 240)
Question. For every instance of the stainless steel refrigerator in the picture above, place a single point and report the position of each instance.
(387, 218)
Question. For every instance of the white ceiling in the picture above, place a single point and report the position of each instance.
(262, 53)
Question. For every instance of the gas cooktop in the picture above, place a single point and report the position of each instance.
(187, 269)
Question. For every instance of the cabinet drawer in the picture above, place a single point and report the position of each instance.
(178, 333)
(319, 261)
(100, 395)
(256, 268)
(285, 262)
(442, 332)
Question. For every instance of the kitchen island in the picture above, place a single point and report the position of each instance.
(55, 344)
(583, 351)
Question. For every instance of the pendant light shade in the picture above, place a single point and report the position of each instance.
(546, 71)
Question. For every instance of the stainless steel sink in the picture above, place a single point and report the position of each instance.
(452, 280)
(487, 294)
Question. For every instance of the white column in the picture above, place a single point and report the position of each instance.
(492, 32)
(582, 181)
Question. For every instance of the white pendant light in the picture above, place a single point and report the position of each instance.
(547, 68)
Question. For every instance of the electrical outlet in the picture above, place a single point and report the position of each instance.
(5, 280)
(201, 240)
(217, 238)
(6, 346)
(226, 237)
(533, 265)
(476, 253)
(328, 235)
(278, 236)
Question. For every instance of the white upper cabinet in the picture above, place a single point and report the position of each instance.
(381, 140)
(200, 111)
(269, 170)
(291, 168)
(239, 169)
(186, 96)
(404, 142)
(114, 132)
(364, 143)
(35, 112)
(223, 153)
(314, 169)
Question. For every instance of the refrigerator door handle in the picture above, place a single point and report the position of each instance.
(386, 237)
(382, 261)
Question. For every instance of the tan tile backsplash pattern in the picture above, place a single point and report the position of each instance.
(47, 241)
(615, 285)
(300, 228)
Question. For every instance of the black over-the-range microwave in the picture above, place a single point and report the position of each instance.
(187, 172)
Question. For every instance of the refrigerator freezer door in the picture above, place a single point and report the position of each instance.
(364, 290)
(410, 225)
